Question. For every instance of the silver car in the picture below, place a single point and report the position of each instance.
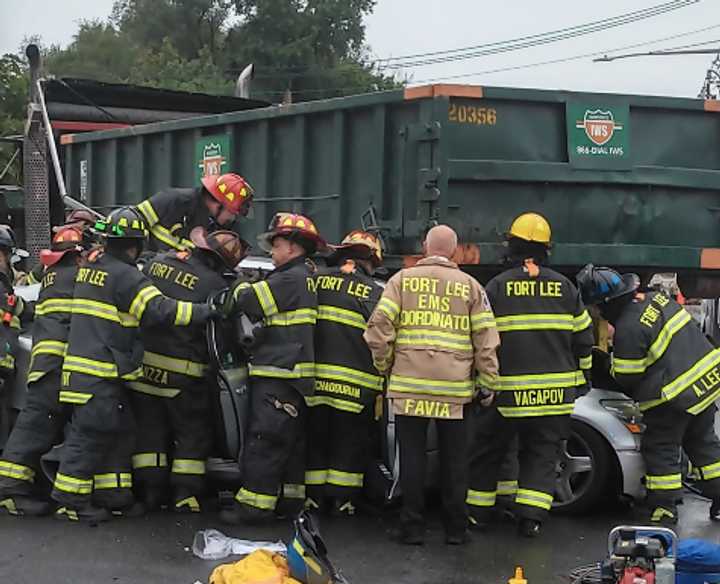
(601, 457)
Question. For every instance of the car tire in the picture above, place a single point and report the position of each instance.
(588, 487)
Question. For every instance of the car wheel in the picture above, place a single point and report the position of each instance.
(583, 471)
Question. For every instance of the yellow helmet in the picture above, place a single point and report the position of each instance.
(531, 227)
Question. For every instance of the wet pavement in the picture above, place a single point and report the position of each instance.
(157, 549)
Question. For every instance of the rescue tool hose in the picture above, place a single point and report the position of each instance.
(67, 199)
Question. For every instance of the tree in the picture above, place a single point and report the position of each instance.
(13, 98)
(315, 48)
(98, 51)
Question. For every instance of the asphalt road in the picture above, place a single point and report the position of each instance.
(157, 549)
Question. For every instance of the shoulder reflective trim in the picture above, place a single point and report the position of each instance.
(538, 381)
(705, 403)
(139, 303)
(341, 316)
(183, 316)
(148, 212)
(54, 305)
(16, 471)
(148, 389)
(581, 322)
(257, 500)
(534, 322)
(113, 480)
(402, 384)
(389, 307)
(335, 403)
(669, 482)
(70, 484)
(7, 362)
(481, 498)
(482, 320)
(505, 488)
(90, 366)
(684, 380)
(31, 279)
(533, 499)
(707, 472)
(585, 363)
(74, 397)
(189, 466)
(434, 338)
(240, 288)
(656, 350)
(534, 412)
(354, 376)
(150, 460)
(49, 347)
(175, 365)
(299, 371)
(293, 317)
(293, 491)
(191, 502)
(265, 298)
(341, 478)
(316, 477)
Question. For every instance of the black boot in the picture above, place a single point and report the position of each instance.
(240, 514)
(20, 505)
(529, 528)
(87, 513)
(715, 510)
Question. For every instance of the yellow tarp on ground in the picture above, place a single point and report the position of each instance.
(260, 567)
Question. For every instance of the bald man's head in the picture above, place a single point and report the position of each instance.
(441, 240)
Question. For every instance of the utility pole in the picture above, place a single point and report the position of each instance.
(711, 85)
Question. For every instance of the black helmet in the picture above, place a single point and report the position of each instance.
(7, 237)
(124, 223)
(601, 285)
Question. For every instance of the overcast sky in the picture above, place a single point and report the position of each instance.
(402, 27)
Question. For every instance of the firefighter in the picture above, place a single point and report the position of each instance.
(663, 360)
(173, 213)
(546, 346)
(80, 219)
(341, 412)
(172, 400)
(432, 331)
(40, 424)
(12, 307)
(282, 372)
(112, 298)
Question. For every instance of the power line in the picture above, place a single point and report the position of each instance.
(518, 43)
(529, 65)
(541, 40)
(643, 13)
(564, 59)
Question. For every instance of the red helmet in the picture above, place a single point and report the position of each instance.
(231, 190)
(294, 227)
(66, 239)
